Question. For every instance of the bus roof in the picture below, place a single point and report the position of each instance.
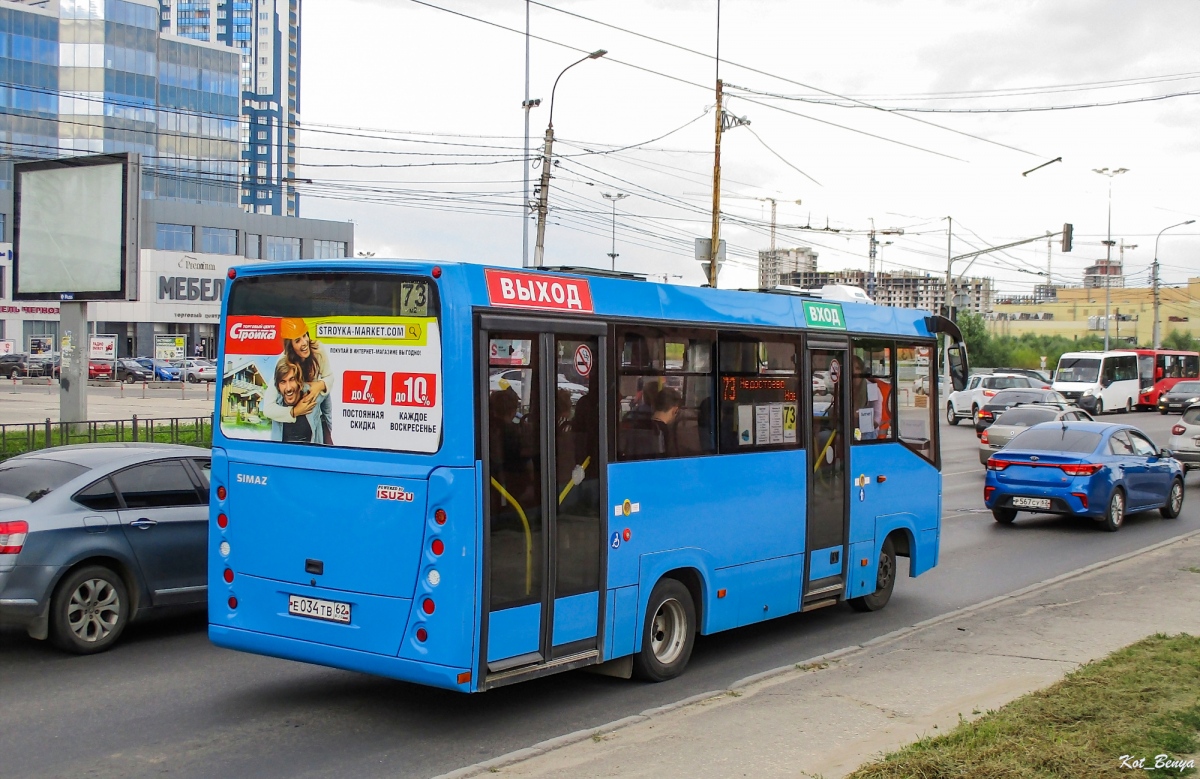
(625, 298)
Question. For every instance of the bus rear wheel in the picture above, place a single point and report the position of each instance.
(669, 633)
(885, 581)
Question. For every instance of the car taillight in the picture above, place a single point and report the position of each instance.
(1082, 497)
(1178, 430)
(987, 493)
(989, 393)
(983, 439)
(1080, 469)
(997, 465)
(985, 414)
(12, 536)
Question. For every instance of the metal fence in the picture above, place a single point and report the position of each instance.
(24, 437)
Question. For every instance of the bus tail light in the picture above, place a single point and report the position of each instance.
(437, 547)
(997, 465)
(221, 493)
(12, 536)
(1178, 430)
(427, 606)
(1082, 497)
(229, 576)
(422, 635)
(232, 603)
(439, 516)
(1080, 469)
(222, 521)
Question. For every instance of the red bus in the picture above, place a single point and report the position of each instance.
(1161, 369)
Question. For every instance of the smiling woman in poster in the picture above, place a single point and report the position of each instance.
(306, 354)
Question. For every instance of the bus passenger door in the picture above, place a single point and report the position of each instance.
(544, 463)
(827, 373)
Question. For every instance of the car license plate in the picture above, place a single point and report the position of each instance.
(329, 610)
(1031, 503)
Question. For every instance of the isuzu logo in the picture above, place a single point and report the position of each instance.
(384, 492)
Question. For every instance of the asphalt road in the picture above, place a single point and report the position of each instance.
(164, 701)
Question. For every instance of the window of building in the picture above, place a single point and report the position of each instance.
(174, 238)
(3, 227)
(279, 248)
(666, 393)
(759, 393)
(871, 401)
(253, 246)
(329, 250)
(219, 240)
(915, 415)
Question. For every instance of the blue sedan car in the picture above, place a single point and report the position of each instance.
(1098, 470)
(163, 370)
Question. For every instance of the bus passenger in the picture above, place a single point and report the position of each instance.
(867, 401)
(292, 397)
(657, 439)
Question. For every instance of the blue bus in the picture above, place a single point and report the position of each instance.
(467, 476)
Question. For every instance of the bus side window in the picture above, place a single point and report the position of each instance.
(759, 383)
(665, 391)
(1191, 367)
(871, 392)
(916, 422)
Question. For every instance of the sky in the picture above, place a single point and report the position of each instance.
(413, 129)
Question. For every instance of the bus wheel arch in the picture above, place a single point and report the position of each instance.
(694, 582)
(885, 577)
(668, 632)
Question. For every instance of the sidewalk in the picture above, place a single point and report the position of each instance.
(832, 714)
(188, 401)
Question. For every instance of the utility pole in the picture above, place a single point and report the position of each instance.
(615, 198)
(871, 261)
(1108, 246)
(716, 188)
(525, 164)
(946, 306)
(1154, 280)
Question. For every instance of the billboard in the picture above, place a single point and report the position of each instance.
(170, 347)
(102, 347)
(8, 347)
(75, 228)
(41, 344)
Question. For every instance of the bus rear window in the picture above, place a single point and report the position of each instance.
(334, 359)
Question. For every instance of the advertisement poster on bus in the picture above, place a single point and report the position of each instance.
(102, 347)
(170, 347)
(7, 347)
(366, 382)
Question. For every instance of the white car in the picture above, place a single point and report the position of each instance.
(194, 370)
(965, 403)
(1185, 439)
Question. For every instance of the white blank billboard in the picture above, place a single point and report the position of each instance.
(70, 232)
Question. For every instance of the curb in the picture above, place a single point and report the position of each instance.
(581, 735)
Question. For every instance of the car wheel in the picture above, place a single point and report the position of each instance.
(1099, 406)
(951, 417)
(1115, 516)
(1174, 503)
(191, 378)
(1004, 516)
(1162, 411)
(975, 414)
(669, 633)
(13, 373)
(129, 379)
(89, 610)
(885, 581)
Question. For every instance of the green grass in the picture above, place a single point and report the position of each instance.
(1142, 701)
(18, 440)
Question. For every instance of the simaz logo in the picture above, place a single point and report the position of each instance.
(246, 478)
(253, 335)
(383, 492)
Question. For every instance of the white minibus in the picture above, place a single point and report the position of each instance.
(1098, 381)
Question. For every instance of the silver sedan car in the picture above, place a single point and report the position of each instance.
(1185, 439)
(1015, 420)
(95, 535)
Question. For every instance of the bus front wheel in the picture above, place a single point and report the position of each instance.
(669, 633)
(885, 581)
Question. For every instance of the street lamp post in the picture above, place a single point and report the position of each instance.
(1154, 278)
(615, 198)
(1108, 245)
(540, 249)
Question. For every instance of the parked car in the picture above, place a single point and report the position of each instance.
(1016, 420)
(100, 370)
(1185, 438)
(1006, 399)
(1179, 397)
(1088, 469)
(13, 366)
(130, 371)
(965, 403)
(48, 365)
(93, 536)
(163, 370)
(194, 369)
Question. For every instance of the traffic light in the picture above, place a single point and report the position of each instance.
(1068, 232)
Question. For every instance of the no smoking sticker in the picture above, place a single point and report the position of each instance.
(835, 371)
(583, 360)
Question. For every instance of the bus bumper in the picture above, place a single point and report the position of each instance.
(338, 657)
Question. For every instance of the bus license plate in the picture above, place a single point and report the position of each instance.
(329, 610)
(1031, 503)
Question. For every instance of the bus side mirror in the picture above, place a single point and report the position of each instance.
(957, 354)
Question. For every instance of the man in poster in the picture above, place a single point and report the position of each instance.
(295, 402)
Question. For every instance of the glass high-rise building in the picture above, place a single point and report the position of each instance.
(207, 92)
(266, 36)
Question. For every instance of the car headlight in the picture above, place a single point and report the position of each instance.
(1087, 393)
(1191, 400)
